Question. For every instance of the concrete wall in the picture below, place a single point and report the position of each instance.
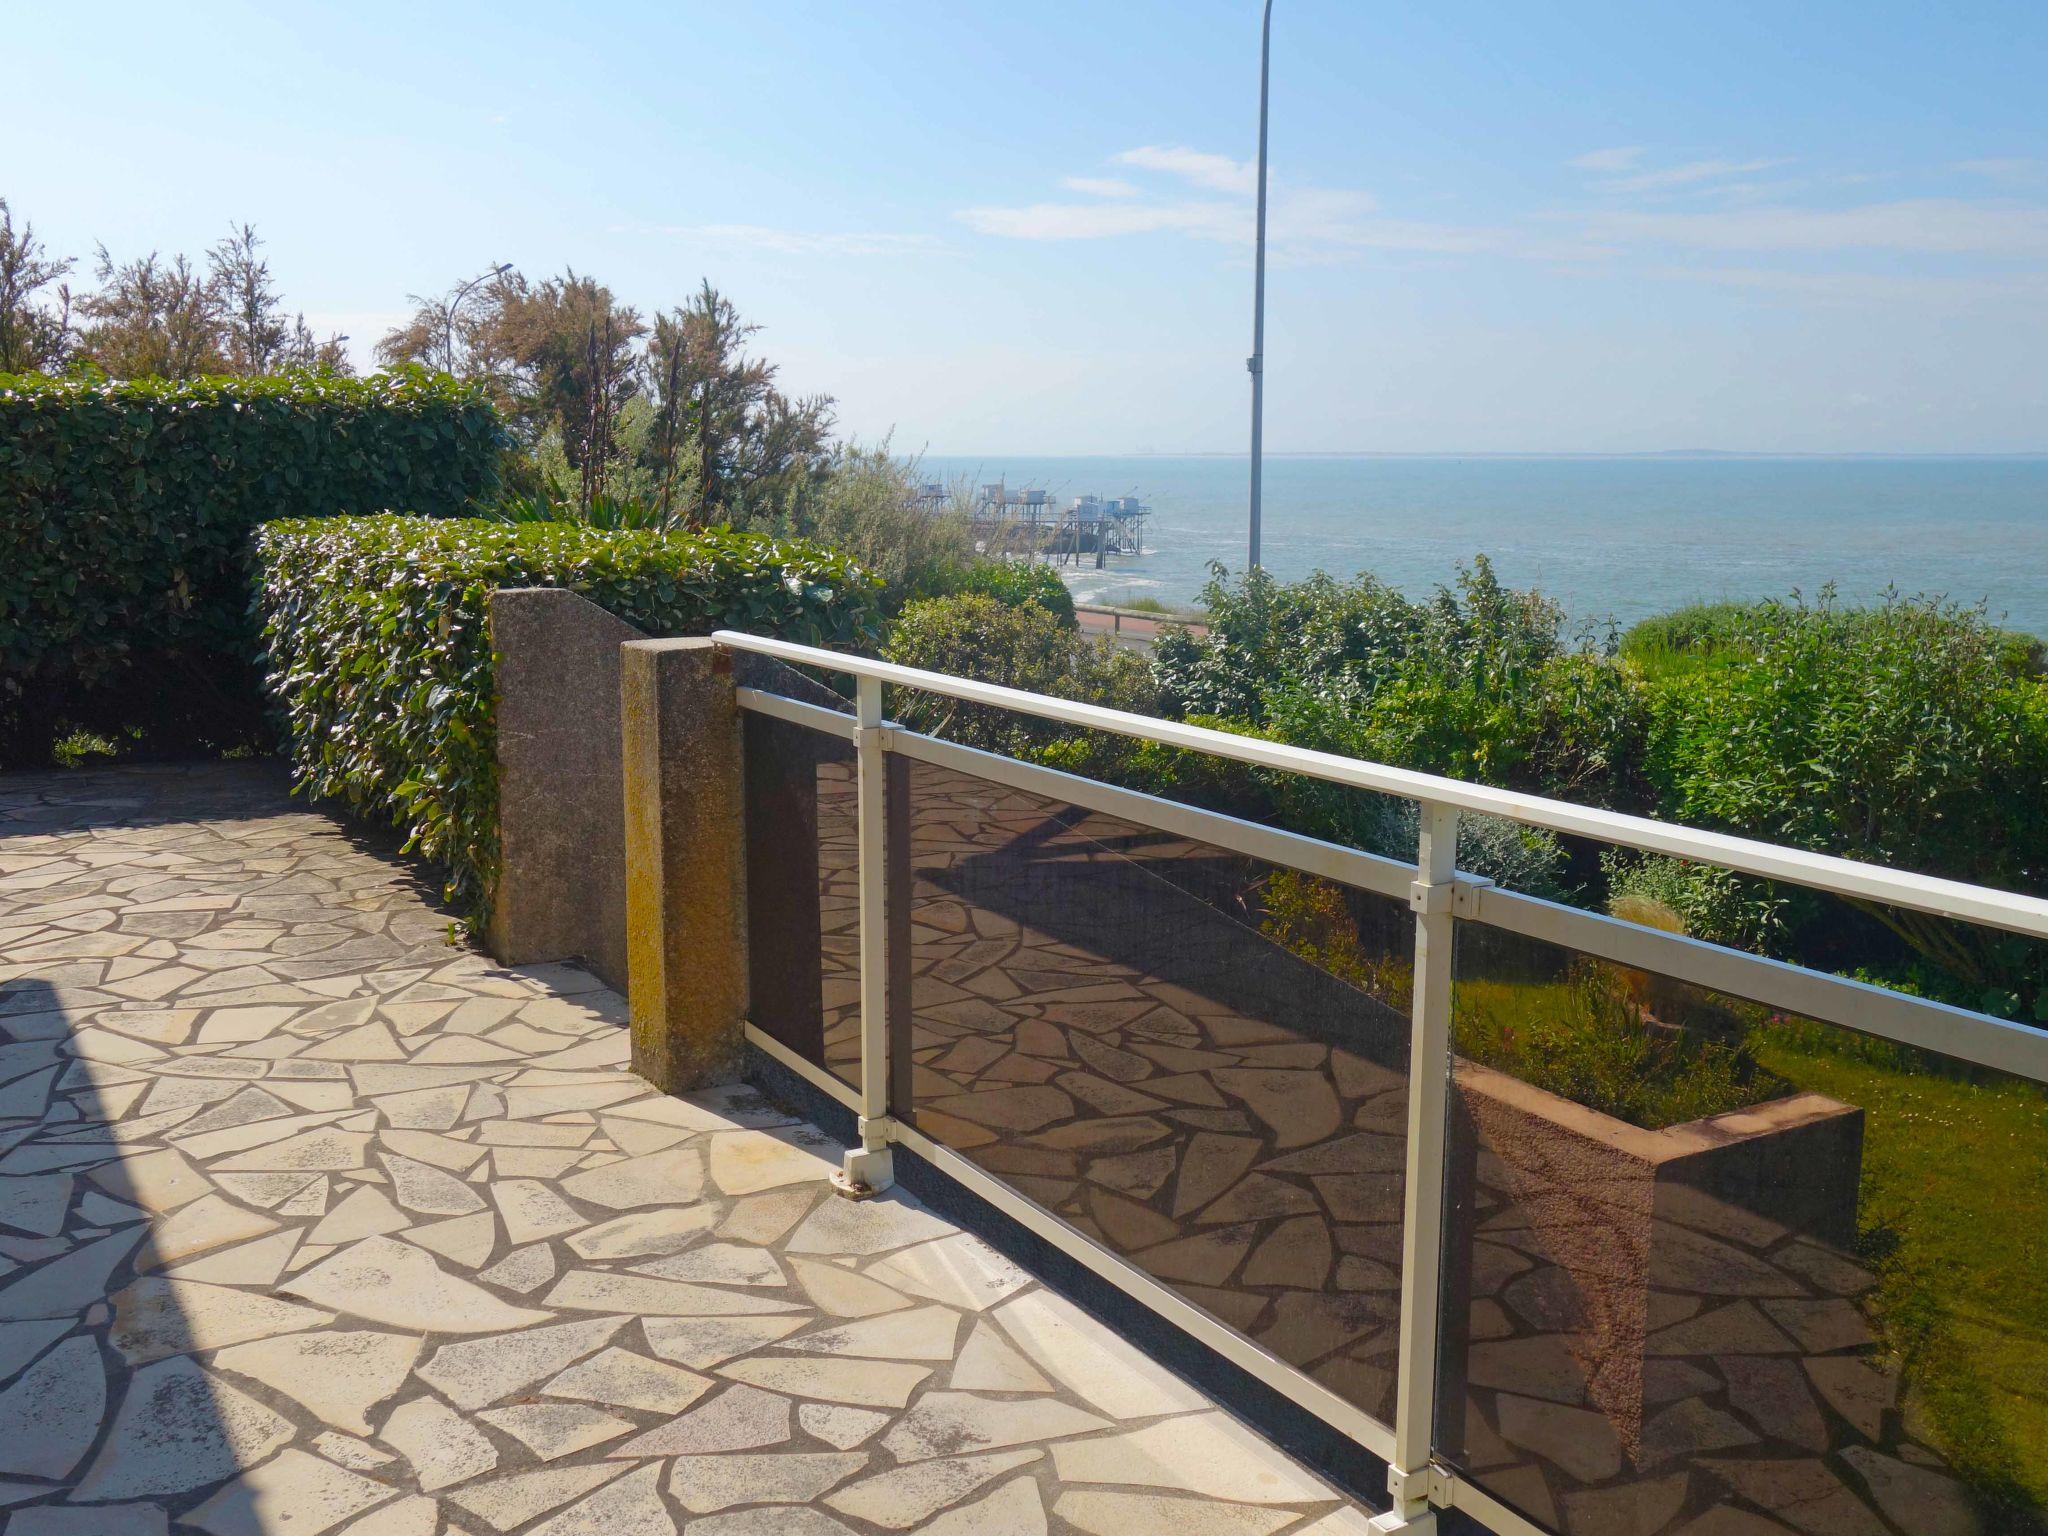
(561, 821)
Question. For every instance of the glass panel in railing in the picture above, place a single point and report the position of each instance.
(1714, 1268)
(803, 903)
(1195, 1058)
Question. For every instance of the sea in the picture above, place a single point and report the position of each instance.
(1612, 539)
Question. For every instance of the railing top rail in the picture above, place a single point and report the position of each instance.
(2007, 910)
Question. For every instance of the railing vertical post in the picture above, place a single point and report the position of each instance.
(1429, 1071)
(869, 1167)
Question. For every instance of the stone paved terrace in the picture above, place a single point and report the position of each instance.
(310, 1222)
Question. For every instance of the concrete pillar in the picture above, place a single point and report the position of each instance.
(686, 925)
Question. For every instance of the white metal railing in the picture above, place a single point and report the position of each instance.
(1440, 897)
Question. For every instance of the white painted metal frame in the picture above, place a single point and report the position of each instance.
(1440, 897)
(2007, 910)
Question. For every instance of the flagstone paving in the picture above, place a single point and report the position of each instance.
(311, 1222)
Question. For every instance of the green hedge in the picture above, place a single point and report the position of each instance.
(125, 513)
(380, 657)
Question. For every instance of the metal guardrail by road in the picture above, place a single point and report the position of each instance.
(1439, 897)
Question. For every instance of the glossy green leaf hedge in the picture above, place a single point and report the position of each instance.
(126, 509)
(380, 657)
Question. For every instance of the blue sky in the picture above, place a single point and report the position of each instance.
(994, 228)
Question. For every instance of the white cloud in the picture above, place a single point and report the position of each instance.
(794, 242)
(1690, 174)
(1922, 226)
(1100, 186)
(2006, 168)
(1612, 161)
(1228, 222)
(1219, 173)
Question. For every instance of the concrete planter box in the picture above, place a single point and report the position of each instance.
(1584, 1245)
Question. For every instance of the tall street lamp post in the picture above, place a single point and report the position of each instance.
(1256, 363)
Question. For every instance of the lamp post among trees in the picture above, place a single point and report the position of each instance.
(453, 308)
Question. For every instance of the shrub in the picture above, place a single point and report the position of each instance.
(1014, 583)
(1586, 1037)
(1909, 734)
(865, 501)
(125, 514)
(1026, 646)
(379, 655)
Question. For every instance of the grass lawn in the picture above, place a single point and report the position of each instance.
(1955, 1218)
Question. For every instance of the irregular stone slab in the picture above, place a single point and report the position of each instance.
(294, 1491)
(592, 1290)
(365, 1212)
(945, 1423)
(839, 1427)
(401, 1286)
(505, 1503)
(741, 1418)
(861, 1227)
(443, 1448)
(1205, 1453)
(925, 1333)
(764, 1218)
(450, 1154)
(900, 1498)
(1916, 1499)
(100, 1520)
(468, 1240)
(622, 1379)
(1855, 1389)
(719, 1264)
(1807, 1489)
(706, 1484)
(160, 1316)
(1211, 1163)
(326, 1150)
(339, 1374)
(1100, 1368)
(551, 1430)
(22, 1342)
(348, 1451)
(842, 1292)
(771, 1520)
(675, 1177)
(1103, 1512)
(51, 1415)
(523, 1269)
(988, 1363)
(479, 1371)
(747, 1162)
(178, 1428)
(65, 1286)
(641, 1234)
(705, 1341)
(416, 1516)
(960, 1271)
(632, 1506)
(258, 1263)
(35, 1202)
(1015, 1509)
(1583, 1443)
(872, 1383)
(429, 1191)
(533, 1211)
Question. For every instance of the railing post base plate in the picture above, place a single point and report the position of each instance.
(1394, 1523)
(865, 1174)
